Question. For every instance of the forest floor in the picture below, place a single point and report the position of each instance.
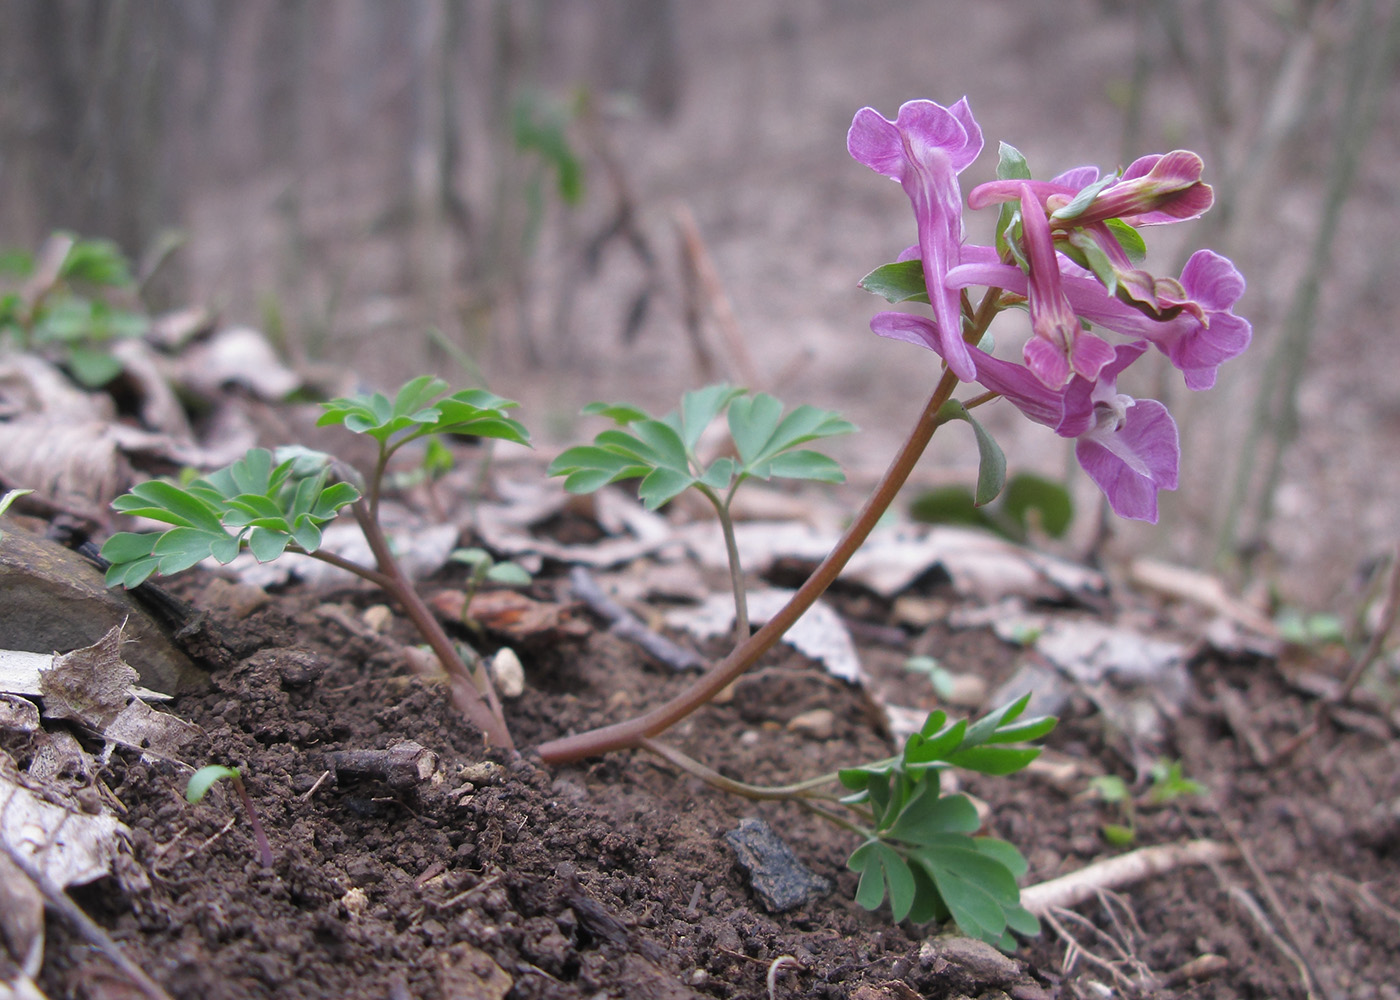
(482, 875)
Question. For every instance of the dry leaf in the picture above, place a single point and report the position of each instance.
(513, 615)
(819, 634)
(70, 846)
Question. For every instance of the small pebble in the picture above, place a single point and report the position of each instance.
(509, 673)
(819, 724)
(377, 617)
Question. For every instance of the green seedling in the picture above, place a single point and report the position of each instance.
(202, 780)
(484, 567)
(271, 503)
(662, 453)
(1168, 784)
(9, 498)
(71, 301)
(919, 850)
(939, 678)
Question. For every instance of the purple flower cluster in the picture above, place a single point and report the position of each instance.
(1069, 266)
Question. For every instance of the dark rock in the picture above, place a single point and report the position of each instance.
(781, 881)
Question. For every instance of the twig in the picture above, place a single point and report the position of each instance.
(1112, 873)
(1266, 888)
(1246, 902)
(701, 266)
(87, 929)
(1074, 950)
(628, 626)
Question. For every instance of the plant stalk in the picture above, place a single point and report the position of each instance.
(629, 733)
(482, 708)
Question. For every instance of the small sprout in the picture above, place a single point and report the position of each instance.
(8, 499)
(202, 780)
(270, 503)
(1168, 785)
(484, 567)
(942, 682)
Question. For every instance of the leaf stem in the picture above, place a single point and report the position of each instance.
(736, 569)
(264, 848)
(630, 732)
(800, 790)
(479, 704)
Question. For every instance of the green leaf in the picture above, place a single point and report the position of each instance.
(1011, 164)
(902, 281)
(512, 574)
(806, 464)
(267, 545)
(1096, 259)
(1118, 835)
(10, 497)
(882, 870)
(1129, 239)
(661, 485)
(92, 366)
(131, 574)
(622, 413)
(1047, 501)
(929, 815)
(752, 422)
(991, 467)
(162, 501)
(699, 409)
(127, 546)
(993, 760)
(954, 504)
(1082, 200)
(202, 780)
(97, 262)
(978, 890)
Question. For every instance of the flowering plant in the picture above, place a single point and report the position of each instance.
(1068, 249)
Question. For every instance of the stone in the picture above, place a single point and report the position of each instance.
(780, 879)
(54, 600)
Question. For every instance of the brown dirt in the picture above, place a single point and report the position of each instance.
(611, 879)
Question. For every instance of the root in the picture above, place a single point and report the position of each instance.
(1076, 887)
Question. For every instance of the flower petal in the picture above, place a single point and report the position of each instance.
(1131, 463)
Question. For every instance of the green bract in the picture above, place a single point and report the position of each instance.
(256, 501)
(922, 854)
(416, 411)
(661, 452)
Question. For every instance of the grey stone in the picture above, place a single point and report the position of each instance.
(781, 881)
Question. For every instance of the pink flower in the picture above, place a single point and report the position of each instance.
(1153, 190)
(1129, 447)
(1059, 348)
(924, 149)
(1197, 328)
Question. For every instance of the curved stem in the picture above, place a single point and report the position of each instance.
(736, 569)
(483, 708)
(340, 562)
(630, 732)
(800, 790)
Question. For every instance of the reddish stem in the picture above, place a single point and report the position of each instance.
(633, 732)
(483, 710)
(264, 848)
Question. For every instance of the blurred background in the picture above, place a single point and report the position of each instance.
(579, 199)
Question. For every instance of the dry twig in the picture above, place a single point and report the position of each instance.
(1112, 873)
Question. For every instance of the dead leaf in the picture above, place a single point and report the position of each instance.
(96, 687)
(90, 685)
(512, 614)
(819, 634)
(237, 355)
(21, 919)
(70, 846)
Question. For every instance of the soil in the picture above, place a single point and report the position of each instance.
(497, 877)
